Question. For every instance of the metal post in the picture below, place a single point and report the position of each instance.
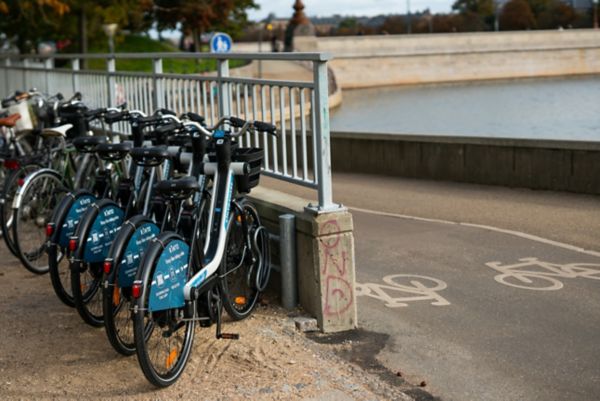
(158, 96)
(25, 67)
(75, 74)
(48, 65)
(287, 252)
(110, 80)
(322, 151)
(6, 77)
(224, 94)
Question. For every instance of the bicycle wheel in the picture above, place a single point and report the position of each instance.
(65, 218)
(36, 201)
(529, 281)
(95, 233)
(124, 259)
(12, 183)
(163, 337)
(240, 264)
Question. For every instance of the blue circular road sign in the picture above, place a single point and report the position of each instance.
(220, 43)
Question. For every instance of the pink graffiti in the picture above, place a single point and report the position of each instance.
(338, 291)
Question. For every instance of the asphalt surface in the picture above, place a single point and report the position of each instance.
(476, 338)
(472, 329)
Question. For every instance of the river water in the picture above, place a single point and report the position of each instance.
(564, 108)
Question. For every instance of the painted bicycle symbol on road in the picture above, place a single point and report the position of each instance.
(418, 288)
(534, 274)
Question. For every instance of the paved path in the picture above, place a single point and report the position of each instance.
(459, 311)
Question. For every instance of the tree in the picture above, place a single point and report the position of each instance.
(477, 15)
(517, 15)
(200, 16)
(555, 14)
(31, 20)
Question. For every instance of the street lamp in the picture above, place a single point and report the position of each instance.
(595, 3)
(110, 30)
(409, 25)
(269, 28)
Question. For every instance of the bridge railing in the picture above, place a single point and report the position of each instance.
(299, 108)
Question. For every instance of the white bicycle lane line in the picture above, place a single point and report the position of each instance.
(520, 234)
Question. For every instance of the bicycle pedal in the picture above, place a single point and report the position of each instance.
(228, 336)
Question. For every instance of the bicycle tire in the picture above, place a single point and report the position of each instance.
(86, 274)
(11, 185)
(125, 254)
(37, 198)
(238, 293)
(537, 282)
(160, 323)
(65, 220)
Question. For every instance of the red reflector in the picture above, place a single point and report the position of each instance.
(11, 164)
(20, 182)
(49, 229)
(107, 266)
(73, 244)
(136, 290)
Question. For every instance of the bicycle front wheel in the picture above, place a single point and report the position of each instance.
(40, 194)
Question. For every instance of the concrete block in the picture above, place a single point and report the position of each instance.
(306, 324)
(325, 257)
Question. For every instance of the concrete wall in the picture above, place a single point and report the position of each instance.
(367, 61)
(552, 165)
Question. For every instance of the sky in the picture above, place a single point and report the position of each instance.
(323, 8)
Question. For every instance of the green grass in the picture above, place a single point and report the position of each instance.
(142, 44)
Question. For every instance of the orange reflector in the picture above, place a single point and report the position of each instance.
(116, 296)
(239, 218)
(240, 300)
(171, 358)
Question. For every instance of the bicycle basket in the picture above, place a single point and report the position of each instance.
(254, 157)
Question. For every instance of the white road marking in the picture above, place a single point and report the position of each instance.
(520, 234)
(417, 289)
(541, 275)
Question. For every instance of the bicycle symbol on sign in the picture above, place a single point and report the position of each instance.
(534, 274)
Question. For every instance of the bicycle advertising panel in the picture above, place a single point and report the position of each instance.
(103, 232)
(133, 253)
(77, 209)
(170, 276)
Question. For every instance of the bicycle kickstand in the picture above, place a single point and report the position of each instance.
(221, 335)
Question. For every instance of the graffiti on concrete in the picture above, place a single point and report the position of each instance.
(399, 289)
(534, 274)
(339, 294)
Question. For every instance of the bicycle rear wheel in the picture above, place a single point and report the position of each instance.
(163, 337)
(40, 194)
(12, 183)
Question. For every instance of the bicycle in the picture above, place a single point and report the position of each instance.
(128, 248)
(182, 280)
(42, 190)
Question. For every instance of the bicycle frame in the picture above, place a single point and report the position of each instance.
(218, 219)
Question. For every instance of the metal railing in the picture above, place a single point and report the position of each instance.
(299, 108)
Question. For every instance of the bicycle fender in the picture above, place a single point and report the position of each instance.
(128, 248)
(67, 214)
(19, 195)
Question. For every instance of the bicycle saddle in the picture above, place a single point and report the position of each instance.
(57, 131)
(150, 156)
(88, 144)
(113, 151)
(10, 121)
(177, 189)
